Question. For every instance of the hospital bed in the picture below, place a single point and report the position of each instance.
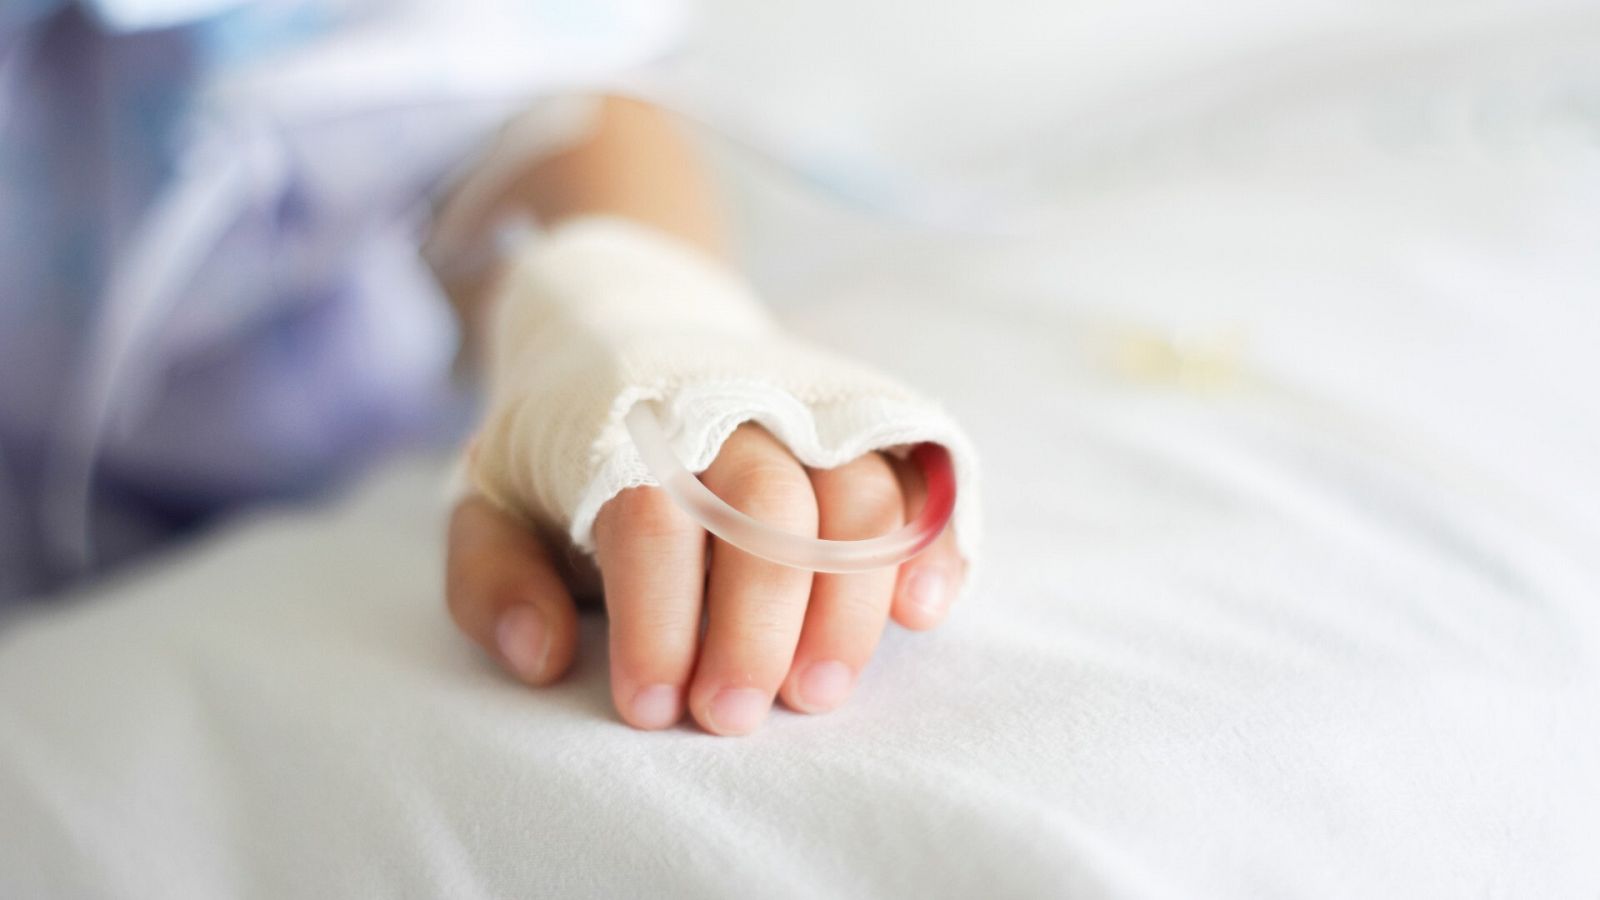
(1281, 361)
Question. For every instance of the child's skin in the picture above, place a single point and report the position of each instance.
(770, 630)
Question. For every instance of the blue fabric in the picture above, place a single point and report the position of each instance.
(304, 337)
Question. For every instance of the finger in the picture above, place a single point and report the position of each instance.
(504, 594)
(652, 563)
(928, 582)
(845, 618)
(755, 607)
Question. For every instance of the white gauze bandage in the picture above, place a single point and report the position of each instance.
(603, 313)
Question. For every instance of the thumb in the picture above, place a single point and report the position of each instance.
(505, 594)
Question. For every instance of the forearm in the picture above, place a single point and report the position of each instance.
(633, 163)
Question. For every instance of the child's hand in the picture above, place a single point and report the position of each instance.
(769, 629)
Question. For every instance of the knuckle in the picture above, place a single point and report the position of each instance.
(641, 513)
(860, 499)
(507, 593)
(867, 604)
(771, 489)
(648, 630)
(761, 641)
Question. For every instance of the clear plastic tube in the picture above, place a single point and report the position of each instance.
(786, 548)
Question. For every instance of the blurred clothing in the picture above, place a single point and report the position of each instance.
(209, 220)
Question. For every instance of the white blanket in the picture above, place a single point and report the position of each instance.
(1312, 611)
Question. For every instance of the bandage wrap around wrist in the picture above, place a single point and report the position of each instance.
(602, 314)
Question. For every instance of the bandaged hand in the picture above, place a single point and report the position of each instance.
(600, 315)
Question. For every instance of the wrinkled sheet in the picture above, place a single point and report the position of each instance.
(1311, 608)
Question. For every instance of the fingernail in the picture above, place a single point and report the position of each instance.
(655, 706)
(926, 591)
(524, 640)
(824, 685)
(737, 710)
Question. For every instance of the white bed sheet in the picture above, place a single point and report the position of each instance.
(1333, 630)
